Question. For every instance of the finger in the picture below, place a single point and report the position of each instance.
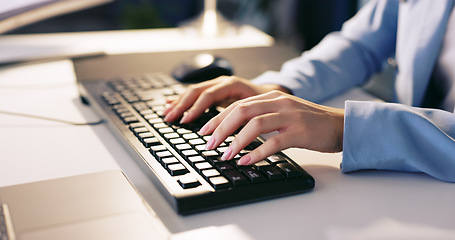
(185, 101)
(271, 146)
(213, 94)
(226, 88)
(171, 102)
(211, 125)
(258, 125)
(240, 114)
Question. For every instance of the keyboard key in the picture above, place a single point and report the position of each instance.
(183, 131)
(254, 175)
(202, 166)
(188, 182)
(224, 166)
(168, 161)
(200, 148)
(176, 141)
(189, 136)
(155, 120)
(158, 108)
(195, 159)
(160, 125)
(237, 178)
(276, 158)
(126, 114)
(166, 130)
(184, 146)
(136, 125)
(210, 173)
(254, 144)
(229, 139)
(171, 135)
(214, 159)
(272, 173)
(219, 182)
(235, 163)
(196, 141)
(136, 131)
(177, 169)
(148, 142)
(148, 113)
(144, 135)
(289, 170)
(222, 149)
(140, 106)
(261, 164)
(129, 120)
(210, 153)
(163, 154)
(190, 152)
(157, 148)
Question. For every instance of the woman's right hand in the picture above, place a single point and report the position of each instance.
(223, 91)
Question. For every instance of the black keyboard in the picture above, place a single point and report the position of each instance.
(173, 155)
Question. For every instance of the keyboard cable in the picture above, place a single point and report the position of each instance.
(53, 119)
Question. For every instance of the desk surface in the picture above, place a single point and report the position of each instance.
(366, 202)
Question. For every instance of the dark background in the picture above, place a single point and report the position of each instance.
(299, 23)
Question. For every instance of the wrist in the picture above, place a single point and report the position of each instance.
(272, 87)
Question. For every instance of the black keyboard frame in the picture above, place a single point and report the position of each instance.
(193, 200)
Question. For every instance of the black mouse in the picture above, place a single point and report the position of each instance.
(201, 67)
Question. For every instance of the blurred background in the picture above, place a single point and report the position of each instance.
(298, 23)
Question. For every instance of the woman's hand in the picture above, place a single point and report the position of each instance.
(222, 90)
(299, 123)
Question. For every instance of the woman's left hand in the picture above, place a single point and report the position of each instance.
(299, 123)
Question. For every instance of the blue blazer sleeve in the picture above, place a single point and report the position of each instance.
(389, 136)
(342, 59)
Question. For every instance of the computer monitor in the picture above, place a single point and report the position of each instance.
(17, 13)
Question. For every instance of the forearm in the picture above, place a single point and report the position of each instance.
(342, 59)
(396, 137)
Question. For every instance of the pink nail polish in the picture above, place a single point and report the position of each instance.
(184, 119)
(210, 143)
(203, 129)
(245, 160)
(169, 116)
(226, 154)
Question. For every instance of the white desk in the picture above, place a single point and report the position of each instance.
(340, 204)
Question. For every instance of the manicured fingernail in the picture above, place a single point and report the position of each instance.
(184, 118)
(226, 154)
(245, 160)
(204, 129)
(169, 116)
(210, 143)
